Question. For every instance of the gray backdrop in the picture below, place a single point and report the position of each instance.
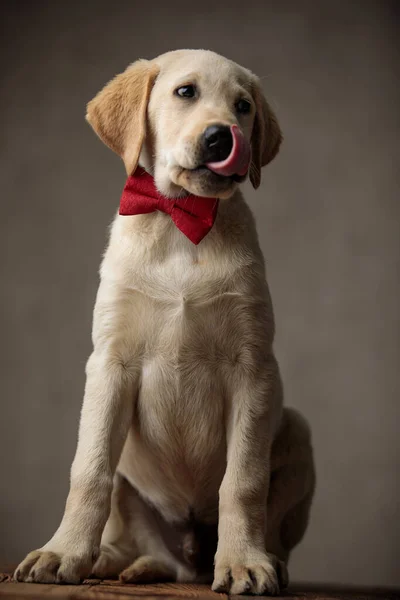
(328, 216)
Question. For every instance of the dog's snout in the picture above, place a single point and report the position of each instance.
(217, 143)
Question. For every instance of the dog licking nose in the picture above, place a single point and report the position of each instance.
(227, 151)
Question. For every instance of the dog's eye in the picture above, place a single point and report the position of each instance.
(186, 91)
(243, 106)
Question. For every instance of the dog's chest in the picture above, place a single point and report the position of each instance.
(185, 295)
(183, 275)
(192, 303)
(187, 322)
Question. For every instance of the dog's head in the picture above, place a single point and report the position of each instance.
(195, 120)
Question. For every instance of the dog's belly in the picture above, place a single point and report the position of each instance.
(175, 453)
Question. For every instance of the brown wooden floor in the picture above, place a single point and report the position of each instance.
(112, 590)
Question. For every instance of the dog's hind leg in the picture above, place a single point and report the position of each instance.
(133, 546)
(291, 486)
(118, 548)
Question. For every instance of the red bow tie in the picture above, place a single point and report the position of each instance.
(193, 215)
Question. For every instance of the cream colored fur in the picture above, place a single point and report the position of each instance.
(183, 400)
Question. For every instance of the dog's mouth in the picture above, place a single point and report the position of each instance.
(202, 181)
(225, 168)
(204, 171)
(218, 177)
(234, 166)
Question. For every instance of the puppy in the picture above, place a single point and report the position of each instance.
(188, 468)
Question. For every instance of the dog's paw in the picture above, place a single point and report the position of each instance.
(146, 569)
(261, 574)
(111, 561)
(42, 566)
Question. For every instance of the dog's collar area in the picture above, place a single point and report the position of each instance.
(193, 215)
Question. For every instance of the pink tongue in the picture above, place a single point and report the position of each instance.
(237, 163)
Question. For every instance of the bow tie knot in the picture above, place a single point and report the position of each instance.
(193, 215)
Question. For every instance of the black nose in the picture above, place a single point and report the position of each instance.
(217, 143)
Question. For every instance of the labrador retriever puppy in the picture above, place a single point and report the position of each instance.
(188, 468)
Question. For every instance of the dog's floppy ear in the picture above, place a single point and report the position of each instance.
(266, 136)
(118, 112)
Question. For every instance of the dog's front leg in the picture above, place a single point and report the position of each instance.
(105, 418)
(241, 562)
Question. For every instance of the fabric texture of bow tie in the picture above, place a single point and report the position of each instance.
(193, 215)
